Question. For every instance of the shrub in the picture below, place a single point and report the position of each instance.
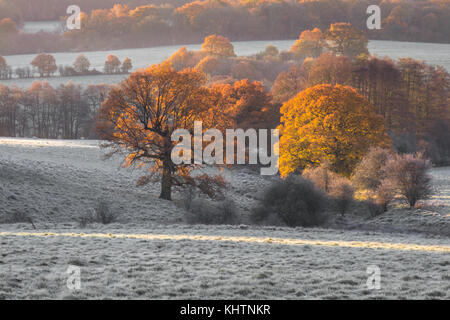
(200, 211)
(409, 176)
(103, 213)
(384, 194)
(370, 172)
(293, 202)
(373, 208)
(321, 176)
(341, 191)
(22, 217)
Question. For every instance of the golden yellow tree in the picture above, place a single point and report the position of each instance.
(328, 123)
(141, 114)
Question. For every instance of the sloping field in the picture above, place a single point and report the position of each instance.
(150, 253)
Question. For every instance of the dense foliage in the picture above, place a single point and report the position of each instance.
(110, 24)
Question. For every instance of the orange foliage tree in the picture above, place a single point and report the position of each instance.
(218, 46)
(328, 123)
(344, 39)
(311, 43)
(112, 64)
(45, 63)
(141, 114)
(248, 105)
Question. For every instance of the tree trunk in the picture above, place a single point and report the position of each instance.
(166, 181)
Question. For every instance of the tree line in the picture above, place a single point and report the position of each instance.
(124, 25)
(45, 66)
(66, 112)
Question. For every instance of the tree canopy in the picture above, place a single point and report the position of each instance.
(328, 123)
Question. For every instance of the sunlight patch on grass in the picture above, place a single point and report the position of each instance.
(282, 241)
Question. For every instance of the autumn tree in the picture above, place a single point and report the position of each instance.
(344, 39)
(288, 84)
(7, 27)
(328, 123)
(81, 64)
(183, 58)
(144, 111)
(3, 67)
(9, 110)
(249, 105)
(127, 65)
(218, 46)
(311, 43)
(410, 177)
(45, 64)
(209, 65)
(330, 69)
(112, 64)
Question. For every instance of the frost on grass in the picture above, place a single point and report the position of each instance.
(57, 182)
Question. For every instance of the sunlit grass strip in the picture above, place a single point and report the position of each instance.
(282, 241)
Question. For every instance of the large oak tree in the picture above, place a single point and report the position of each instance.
(328, 123)
(141, 114)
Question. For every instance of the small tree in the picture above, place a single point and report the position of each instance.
(371, 171)
(341, 191)
(127, 65)
(3, 68)
(271, 51)
(208, 65)
(309, 44)
(321, 176)
(218, 46)
(112, 64)
(7, 27)
(45, 64)
(409, 175)
(344, 39)
(81, 64)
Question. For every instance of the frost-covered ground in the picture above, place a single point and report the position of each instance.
(57, 182)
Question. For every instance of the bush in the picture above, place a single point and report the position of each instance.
(103, 213)
(22, 217)
(341, 191)
(373, 208)
(409, 176)
(384, 194)
(199, 211)
(370, 172)
(321, 176)
(293, 202)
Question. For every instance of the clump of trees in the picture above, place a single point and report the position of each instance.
(67, 112)
(5, 70)
(341, 39)
(45, 64)
(383, 174)
(109, 24)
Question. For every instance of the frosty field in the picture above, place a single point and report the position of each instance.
(150, 252)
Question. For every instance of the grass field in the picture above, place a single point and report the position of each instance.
(151, 253)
